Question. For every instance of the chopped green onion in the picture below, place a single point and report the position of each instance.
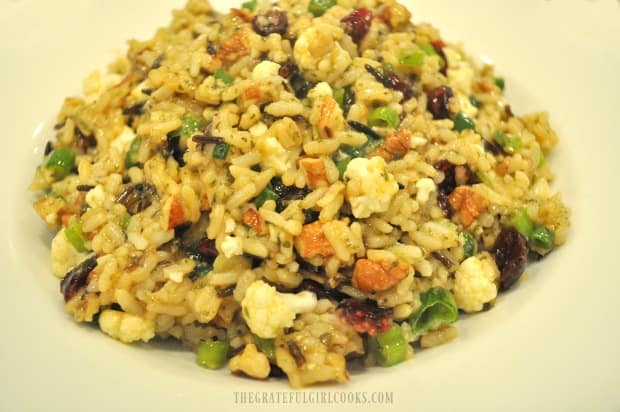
(384, 117)
(463, 122)
(223, 76)
(342, 164)
(363, 150)
(469, 244)
(473, 100)
(412, 58)
(75, 236)
(389, 347)
(61, 162)
(500, 82)
(267, 346)
(509, 143)
(125, 221)
(522, 222)
(265, 195)
(212, 354)
(249, 5)
(190, 124)
(131, 158)
(319, 7)
(428, 49)
(542, 239)
(437, 307)
(352, 151)
(338, 95)
(541, 158)
(484, 178)
(220, 151)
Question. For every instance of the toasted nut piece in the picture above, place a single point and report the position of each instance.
(312, 242)
(251, 363)
(467, 203)
(377, 276)
(314, 169)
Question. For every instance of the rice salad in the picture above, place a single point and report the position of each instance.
(293, 186)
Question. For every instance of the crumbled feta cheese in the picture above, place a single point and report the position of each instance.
(370, 188)
(229, 225)
(320, 90)
(460, 72)
(64, 255)
(417, 140)
(232, 246)
(274, 154)
(123, 140)
(425, 187)
(475, 282)
(96, 83)
(95, 196)
(174, 273)
(265, 69)
(258, 129)
(137, 240)
(465, 105)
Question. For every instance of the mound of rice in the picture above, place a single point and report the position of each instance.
(292, 187)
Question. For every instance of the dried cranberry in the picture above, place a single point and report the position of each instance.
(77, 278)
(275, 21)
(365, 317)
(206, 248)
(358, 23)
(510, 251)
(447, 186)
(438, 102)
